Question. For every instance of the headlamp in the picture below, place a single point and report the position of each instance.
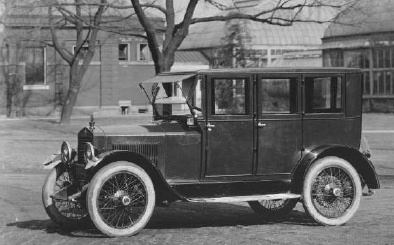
(89, 151)
(65, 152)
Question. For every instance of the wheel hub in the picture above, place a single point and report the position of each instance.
(122, 197)
(337, 192)
(126, 200)
(331, 189)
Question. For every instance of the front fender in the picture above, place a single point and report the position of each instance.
(363, 166)
(163, 190)
(52, 161)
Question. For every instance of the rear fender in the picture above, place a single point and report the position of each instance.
(363, 166)
(163, 191)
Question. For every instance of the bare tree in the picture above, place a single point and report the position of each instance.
(83, 39)
(87, 19)
(10, 66)
(280, 12)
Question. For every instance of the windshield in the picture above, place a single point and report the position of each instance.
(174, 96)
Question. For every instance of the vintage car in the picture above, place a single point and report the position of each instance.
(271, 137)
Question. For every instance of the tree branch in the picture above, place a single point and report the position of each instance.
(150, 33)
(64, 53)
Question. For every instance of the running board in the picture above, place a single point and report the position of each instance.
(247, 198)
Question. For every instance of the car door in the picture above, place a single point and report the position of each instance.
(279, 123)
(229, 126)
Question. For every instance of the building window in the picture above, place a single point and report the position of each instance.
(35, 68)
(82, 53)
(143, 53)
(376, 64)
(333, 58)
(124, 52)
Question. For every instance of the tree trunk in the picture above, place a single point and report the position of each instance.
(9, 96)
(68, 106)
(71, 99)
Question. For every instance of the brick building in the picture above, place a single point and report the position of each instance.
(39, 77)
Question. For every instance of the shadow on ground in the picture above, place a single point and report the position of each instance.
(183, 216)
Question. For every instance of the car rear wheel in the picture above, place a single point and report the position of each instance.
(121, 199)
(273, 208)
(67, 213)
(332, 191)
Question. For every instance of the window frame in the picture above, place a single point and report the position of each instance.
(210, 102)
(93, 61)
(246, 85)
(295, 93)
(44, 85)
(324, 111)
(149, 57)
(128, 52)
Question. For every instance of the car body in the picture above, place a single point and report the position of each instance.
(268, 136)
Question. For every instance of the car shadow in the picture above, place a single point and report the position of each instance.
(197, 215)
(52, 228)
(181, 216)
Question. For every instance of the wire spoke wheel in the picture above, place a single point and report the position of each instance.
(273, 208)
(67, 213)
(69, 209)
(121, 199)
(332, 191)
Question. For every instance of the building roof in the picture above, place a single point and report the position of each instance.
(191, 57)
(209, 35)
(366, 17)
(308, 58)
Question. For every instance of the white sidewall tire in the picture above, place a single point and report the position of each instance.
(47, 190)
(311, 175)
(95, 186)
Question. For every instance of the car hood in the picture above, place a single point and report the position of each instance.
(141, 130)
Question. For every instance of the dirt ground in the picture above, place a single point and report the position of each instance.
(25, 143)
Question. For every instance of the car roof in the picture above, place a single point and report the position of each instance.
(168, 77)
(266, 70)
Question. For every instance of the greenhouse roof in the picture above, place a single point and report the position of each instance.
(208, 35)
(366, 17)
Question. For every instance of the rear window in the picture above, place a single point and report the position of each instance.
(323, 95)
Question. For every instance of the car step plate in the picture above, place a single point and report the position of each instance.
(247, 198)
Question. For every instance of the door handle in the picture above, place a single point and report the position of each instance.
(210, 126)
(261, 125)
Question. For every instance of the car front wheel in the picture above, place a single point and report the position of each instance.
(121, 199)
(332, 191)
(67, 213)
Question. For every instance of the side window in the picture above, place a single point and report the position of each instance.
(278, 95)
(323, 95)
(198, 95)
(230, 96)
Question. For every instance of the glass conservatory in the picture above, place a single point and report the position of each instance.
(366, 40)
